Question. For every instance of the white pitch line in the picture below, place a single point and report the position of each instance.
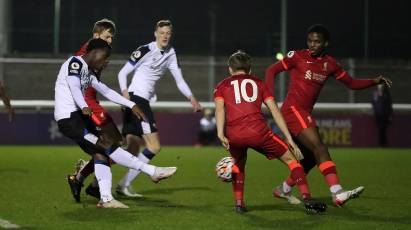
(7, 225)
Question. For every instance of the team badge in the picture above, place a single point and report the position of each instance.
(308, 75)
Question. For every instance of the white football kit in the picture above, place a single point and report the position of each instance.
(149, 64)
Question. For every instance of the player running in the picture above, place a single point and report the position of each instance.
(241, 125)
(309, 70)
(72, 116)
(149, 63)
(6, 102)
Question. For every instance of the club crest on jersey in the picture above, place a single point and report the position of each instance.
(308, 75)
(290, 54)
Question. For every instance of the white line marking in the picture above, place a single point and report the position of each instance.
(7, 225)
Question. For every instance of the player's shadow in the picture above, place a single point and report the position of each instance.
(91, 213)
(165, 191)
(276, 207)
(360, 215)
(309, 222)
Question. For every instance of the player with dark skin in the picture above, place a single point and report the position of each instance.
(309, 70)
(6, 102)
(310, 137)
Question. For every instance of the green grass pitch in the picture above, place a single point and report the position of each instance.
(34, 193)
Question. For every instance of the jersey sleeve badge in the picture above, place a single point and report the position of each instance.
(74, 67)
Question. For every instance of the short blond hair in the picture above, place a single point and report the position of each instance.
(162, 23)
(104, 24)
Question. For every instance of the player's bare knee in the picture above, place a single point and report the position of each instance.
(154, 148)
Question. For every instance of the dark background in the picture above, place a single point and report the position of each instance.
(250, 25)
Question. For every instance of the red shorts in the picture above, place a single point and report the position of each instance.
(297, 119)
(100, 115)
(268, 144)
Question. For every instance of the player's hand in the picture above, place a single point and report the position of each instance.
(87, 111)
(126, 94)
(11, 114)
(224, 142)
(382, 80)
(138, 113)
(195, 104)
(294, 149)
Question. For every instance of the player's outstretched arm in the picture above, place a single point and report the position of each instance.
(122, 78)
(271, 73)
(357, 84)
(113, 96)
(279, 120)
(182, 85)
(6, 102)
(220, 120)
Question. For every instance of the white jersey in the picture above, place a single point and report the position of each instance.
(64, 100)
(73, 79)
(150, 64)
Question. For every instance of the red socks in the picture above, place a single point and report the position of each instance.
(329, 171)
(297, 176)
(238, 185)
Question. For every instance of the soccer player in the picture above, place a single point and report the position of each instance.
(149, 63)
(104, 29)
(73, 118)
(241, 125)
(6, 102)
(310, 69)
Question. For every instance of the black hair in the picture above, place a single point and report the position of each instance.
(318, 28)
(98, 43)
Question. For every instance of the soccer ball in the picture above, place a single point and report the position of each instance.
(224, 169)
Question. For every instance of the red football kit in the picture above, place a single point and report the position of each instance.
(245, 126)
(308, 76)
(100, 115)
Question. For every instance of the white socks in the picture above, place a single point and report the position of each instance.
(104, 176)
(286, 187)
(124, 158)
(132, 173)
(335, 188)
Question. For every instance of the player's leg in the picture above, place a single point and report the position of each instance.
(273, 147)
(310, 138)
(124, 186)
(308, 163)
(134, 127)
(239, 155)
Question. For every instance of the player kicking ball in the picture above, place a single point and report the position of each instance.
(241, 125)
(309, 70)
(73, 119)
(104, 29)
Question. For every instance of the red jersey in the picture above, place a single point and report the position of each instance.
(90, 95)
(308, 75)
(243, 96)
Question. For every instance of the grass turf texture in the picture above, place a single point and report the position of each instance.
(34, 193)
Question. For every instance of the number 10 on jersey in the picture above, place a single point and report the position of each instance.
(241, 90)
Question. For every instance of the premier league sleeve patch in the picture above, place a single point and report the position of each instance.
(138, 54)
(74, 67)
